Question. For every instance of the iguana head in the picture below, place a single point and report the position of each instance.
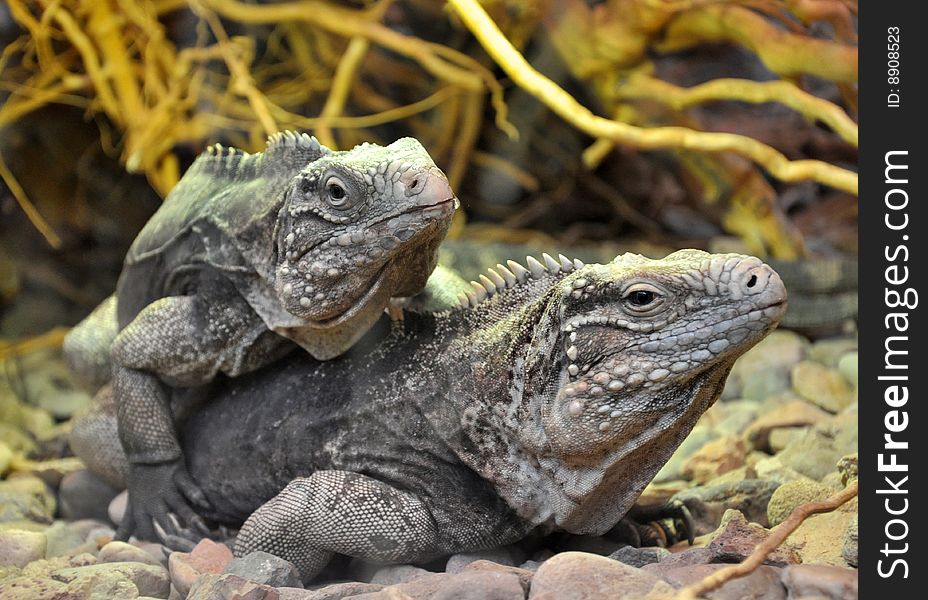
(611, 365)
(357, 228)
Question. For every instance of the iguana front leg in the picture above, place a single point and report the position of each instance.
(340, 512)
(186, 342)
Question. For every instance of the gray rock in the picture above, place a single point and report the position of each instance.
(524, 575)
(83, 495)
(394, 574)
(265, 568)
(851, 538)
(639, 557)
(672, 469)
(822, 386)
(581, 576)
(708, 503)
(816, 453)
(19, 548)
(117, 507)
(829, 351)
(480, 585)
(836, 583)
(764, 369)
(500, 556)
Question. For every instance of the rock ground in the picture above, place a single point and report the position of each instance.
(784, 433)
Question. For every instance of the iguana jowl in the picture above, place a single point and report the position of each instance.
(297, 243)
(549, 399)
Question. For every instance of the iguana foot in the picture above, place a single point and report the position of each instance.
(661, 525)
(157, 492)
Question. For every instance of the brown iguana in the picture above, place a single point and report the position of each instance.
(249, 253)
(548, 399)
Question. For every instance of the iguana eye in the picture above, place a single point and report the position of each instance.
(336, 192)
(642, 297)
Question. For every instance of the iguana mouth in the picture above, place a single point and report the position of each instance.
(298, 256)
(359, 304)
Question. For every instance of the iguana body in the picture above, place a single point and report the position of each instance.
(550, 400)
(247, 255)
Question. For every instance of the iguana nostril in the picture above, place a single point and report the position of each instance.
(752, 281)
(414, 184)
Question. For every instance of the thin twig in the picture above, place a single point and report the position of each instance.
(777, 536)
(33, 215)
(562, 103)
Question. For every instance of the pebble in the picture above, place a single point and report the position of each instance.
(458, 562)
(117, 507)
(795, 413)
(333, 591)
(673, 468)
(525, 575)
(83, 495)
(764, 369)
(71, 537)
(18, 548)
(394, 574)
(480, 585)
(265, 568)
(31, 588)
(820, 538)
(829, 351)
(123, 552)
(639, 557)
(761, 584)
(822, 386)
(208, 557)
(815, 453)
(227, 585)
(793, 493)
(714, 459)
(149, 580)
(834, 583)
(26, 498)
(6, 457)
(847, 366)
(582, 576)
(849, 551)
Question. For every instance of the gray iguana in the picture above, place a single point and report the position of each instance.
(548, 399)
(248, 254)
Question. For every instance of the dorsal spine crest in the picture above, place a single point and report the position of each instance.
(507, 277)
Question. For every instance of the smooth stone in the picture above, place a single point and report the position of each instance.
(524, 575)
(6, 457)
(123, 552)
(639, 557)
(207, 557)
(26, 498)
(848, 367)
(458, 562)
(44, 568)
(117, 507)
(592, 544)
(32, 588)
(70, 537)
(765, 368)
(19, 548)
(334, 591)
(795, 413)
(761, 584)
(822, 386)
(816, 453)
(227, 585)
(150, 580)
(820, 538)
(480, 585)
(715, 458)
(266, 569)
(849, 551)
(83, 495)
(830, 350)
(835, 583)
(582, 576)
(672, 469)
(394, 574)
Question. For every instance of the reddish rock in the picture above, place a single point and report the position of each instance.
(761, 584)
(819, 580)
(581, 576)
(715, 458)
(736, 539)
(207, 557)
(524, 575)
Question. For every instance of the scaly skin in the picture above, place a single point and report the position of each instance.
(247, 255)
(548, 399)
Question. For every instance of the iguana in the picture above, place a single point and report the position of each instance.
(248, 254)
(548, 399)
